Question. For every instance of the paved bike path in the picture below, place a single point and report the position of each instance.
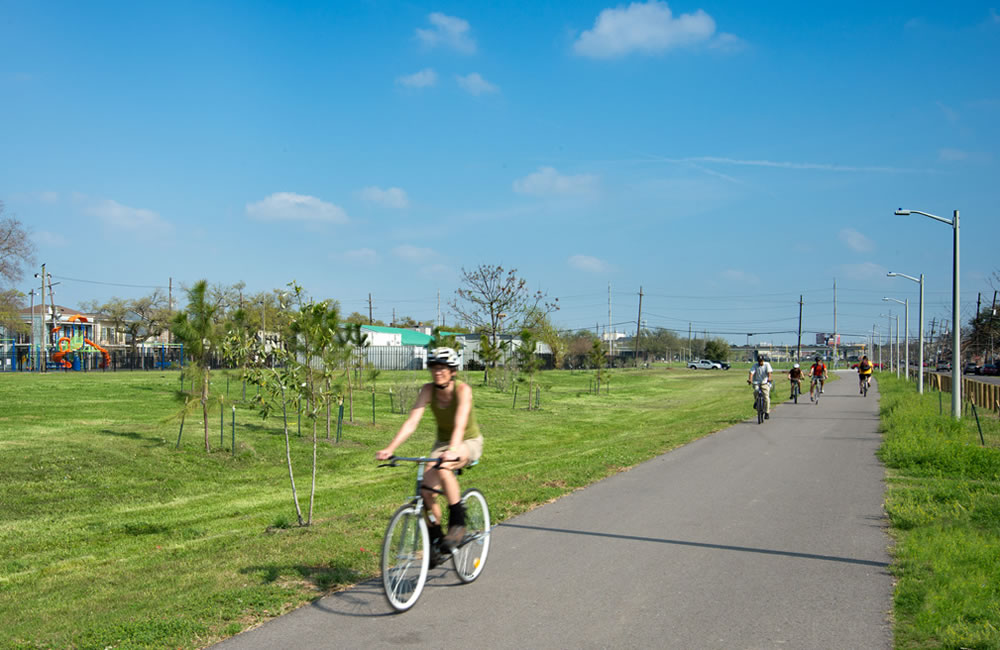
(759, 536)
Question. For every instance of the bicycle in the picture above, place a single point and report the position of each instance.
(864, 385)
(406, 548)
(795, 391)
(815, 390)
(758, 403)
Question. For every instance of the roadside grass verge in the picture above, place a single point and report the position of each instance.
(111, 537)
(943, 502)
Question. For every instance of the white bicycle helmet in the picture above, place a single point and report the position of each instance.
(796, 366)
(444, 356)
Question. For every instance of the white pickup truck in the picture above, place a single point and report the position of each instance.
(704, 364)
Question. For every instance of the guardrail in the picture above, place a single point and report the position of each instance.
(984, 395)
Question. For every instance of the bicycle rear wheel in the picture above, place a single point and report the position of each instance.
(470, 557)
(760, 406)
(405, 558)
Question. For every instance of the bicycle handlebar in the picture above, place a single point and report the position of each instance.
(394, 461)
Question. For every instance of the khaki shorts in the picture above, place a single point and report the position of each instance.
(474, 445)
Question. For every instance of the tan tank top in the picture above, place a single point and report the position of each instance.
(445, 417)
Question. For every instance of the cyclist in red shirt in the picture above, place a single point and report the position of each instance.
(818, 374)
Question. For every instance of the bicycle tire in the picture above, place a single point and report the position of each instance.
(470, 557)
(795, 393)
(405, 557)
(760, 406)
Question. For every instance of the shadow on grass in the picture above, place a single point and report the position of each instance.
(153, 441)
(323, 578)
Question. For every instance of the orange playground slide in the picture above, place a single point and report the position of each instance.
(60, 356)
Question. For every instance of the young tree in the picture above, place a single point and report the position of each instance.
(540, 325)
(197, 329)
(598, 361)
(527, 361)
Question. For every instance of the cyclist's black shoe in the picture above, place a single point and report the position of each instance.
(767, 416)
(453, 538)
(437, 557)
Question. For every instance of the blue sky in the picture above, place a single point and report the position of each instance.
(724, 156)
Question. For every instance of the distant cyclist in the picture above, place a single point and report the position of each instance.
(795, 379)
(864, 374)
(458, 441)
(760, 379)
(818, 374)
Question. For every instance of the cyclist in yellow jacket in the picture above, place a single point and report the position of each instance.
(864, 374)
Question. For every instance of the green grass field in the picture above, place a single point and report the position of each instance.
(111, 537)
(943, 502)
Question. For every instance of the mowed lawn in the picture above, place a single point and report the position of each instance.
(109, 536)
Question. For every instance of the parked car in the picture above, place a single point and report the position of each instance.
(943, 367)
(704, 364)
(970, 369)
(723, 364)
(991, 369)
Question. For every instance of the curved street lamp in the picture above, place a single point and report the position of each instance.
(920, 368)
(956, 342)
(906, 336)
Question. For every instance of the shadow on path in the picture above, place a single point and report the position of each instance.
(724, 547)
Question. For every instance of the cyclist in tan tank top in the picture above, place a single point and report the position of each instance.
(458, 440)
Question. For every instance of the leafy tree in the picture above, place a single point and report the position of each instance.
(357, 318)
(540, 325)
(196, 327)
(139, 319)
(16, 249)
(489, 354)
(717, 350)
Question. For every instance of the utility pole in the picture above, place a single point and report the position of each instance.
(371, 320)
(689, 342)
(798, 352)
(170, 308)
(934, 342)
(835, 337)
(439, 323)
(31, 344)
(611, 342)
(41, 365)
(638, 328)
(393, 323)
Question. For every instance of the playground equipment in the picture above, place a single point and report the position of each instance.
(69, 345)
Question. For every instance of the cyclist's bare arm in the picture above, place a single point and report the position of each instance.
(410, 425)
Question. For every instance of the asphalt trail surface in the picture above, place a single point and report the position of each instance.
(758, 536)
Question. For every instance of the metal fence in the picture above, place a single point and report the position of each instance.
(27, 358)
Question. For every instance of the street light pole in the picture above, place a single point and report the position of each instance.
(906, 336)
(956, 346)
(920, 368)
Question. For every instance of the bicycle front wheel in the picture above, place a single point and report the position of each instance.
(405, 557)
(470, 557)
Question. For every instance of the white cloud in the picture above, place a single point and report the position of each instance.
(950, 113)
(739, 277)
(856, 241)
(548, 182)
(728, 43)
(960, 155)
(46, 238)
(363, 256)
(864, 272)
(393, 197)
(48, 197)
(474, 84)
(447, 31)
(413, 253)
(588, 264)
(289, 206)
(423, 79)
(649, 28)
(124, 219)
